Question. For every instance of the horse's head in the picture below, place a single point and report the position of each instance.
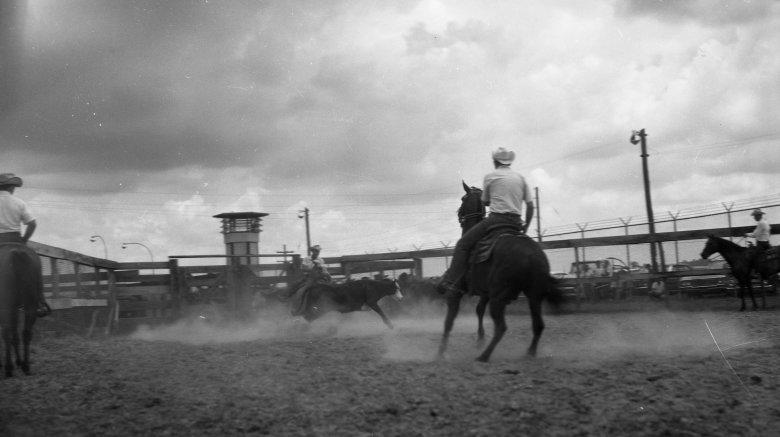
(710, 247)
(396, 291)
(471, 208)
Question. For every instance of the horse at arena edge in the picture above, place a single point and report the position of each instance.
(516, 264)
(739, 260)
(20, 281)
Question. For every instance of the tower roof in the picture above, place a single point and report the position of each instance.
(240, 215)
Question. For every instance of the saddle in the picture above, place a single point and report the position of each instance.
(484, 247)
(770, 254)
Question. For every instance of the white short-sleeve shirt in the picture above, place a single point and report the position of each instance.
(505, 190)
(13, 213)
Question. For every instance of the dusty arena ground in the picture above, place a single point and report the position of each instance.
(642, 368)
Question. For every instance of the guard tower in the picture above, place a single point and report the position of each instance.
(242, 235)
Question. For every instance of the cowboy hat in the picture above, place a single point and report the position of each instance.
(10, 179)
(757, 211)
(315, 247)
(503, 156)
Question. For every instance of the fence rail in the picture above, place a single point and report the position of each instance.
(111, 290)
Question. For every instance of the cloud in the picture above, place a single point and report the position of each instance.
(371, 113)
(718, 13)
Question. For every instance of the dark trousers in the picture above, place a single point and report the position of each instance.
(11, 237)
(764, 245)
(460, 257)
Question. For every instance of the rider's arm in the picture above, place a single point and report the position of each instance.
(529, 214)
(29, 230)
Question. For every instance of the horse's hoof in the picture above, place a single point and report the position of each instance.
(482, 359)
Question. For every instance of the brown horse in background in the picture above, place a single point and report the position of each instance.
(742, 266)
(20, 282)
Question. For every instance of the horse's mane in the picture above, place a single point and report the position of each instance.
(728, 243)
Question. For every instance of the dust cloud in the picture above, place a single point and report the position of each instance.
(579, 337)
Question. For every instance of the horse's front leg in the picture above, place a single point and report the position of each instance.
(750, 291)
(374, 306)
(742, 295)
(453, 306)
(483, 301)
(499, 328)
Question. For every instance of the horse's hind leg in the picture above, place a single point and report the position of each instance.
(27, 331)
(499, 321)
(8, 341)
(483, 301)
(453, 306)
(535, 305)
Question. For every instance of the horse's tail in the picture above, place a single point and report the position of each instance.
(29, 283)
(553, 293)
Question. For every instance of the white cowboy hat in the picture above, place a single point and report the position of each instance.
(757, 211)
(503, 156)
(10, 179)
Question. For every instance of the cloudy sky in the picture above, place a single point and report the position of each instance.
(139, 120)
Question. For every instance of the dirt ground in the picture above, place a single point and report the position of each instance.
(638, 368)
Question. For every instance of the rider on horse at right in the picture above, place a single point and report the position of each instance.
(761, 234)
(762, 231)
(504, 191)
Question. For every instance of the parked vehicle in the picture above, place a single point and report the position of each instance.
(703, 285)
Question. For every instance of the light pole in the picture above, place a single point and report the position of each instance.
(105, 248)
(304, 214)
(124, 246)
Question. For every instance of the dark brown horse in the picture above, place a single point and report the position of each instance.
(517, 264)
(20, 282)
(743, 263)
(348, 297)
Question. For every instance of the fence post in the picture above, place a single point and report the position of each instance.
(113, 304)
(674, 226)
(628, 247)
(55, 273)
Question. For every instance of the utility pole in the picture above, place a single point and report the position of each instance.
(538, 216)
(304, 214)
(284, 252)
(728, 212)
(638, 137)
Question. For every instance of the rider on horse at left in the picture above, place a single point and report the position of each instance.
(314, 270)
(504, 191)
(13, 214)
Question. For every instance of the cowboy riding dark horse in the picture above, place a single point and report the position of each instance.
(504, 192)
(14, 214)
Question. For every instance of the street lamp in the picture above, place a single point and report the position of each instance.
(105, 249)
(124, 246)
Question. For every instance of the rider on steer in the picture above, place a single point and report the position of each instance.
(761, 233)
(13, 214)
(504, 191)
(314, 270)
